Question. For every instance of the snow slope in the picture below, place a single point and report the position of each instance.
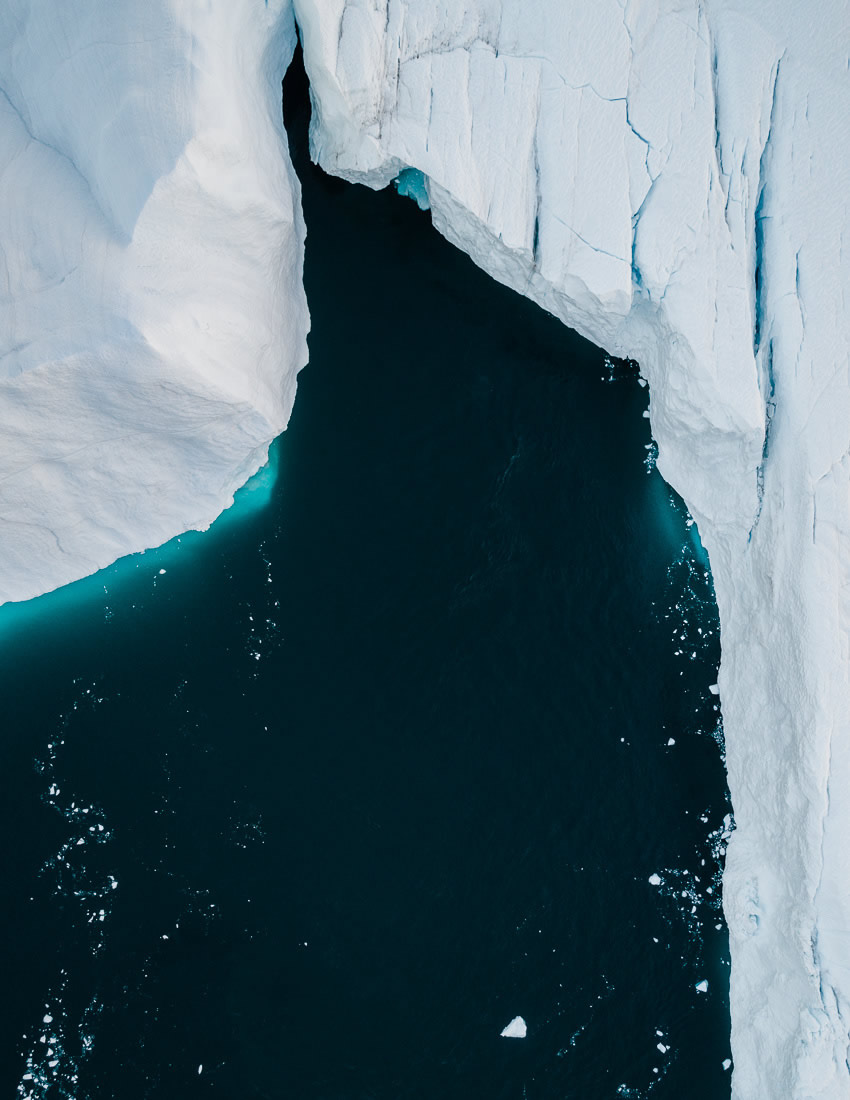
(152, 317)
(671, 178)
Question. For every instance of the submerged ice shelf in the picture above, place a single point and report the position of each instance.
(670, 179)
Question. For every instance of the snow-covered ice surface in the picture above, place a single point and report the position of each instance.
(671, 178)
(152, 317)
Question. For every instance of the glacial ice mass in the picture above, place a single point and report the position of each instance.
(669, 177)
(516, 1029)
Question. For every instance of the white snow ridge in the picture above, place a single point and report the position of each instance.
(669, 177)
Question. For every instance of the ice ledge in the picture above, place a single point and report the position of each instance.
(672, 180)
(152, 317)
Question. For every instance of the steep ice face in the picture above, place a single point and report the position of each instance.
(152, 317)
(670, 177)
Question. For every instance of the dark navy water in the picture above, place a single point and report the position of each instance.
(312, 805)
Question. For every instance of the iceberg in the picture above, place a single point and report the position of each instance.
(516, 1029)
(671, 179)
(152, 314)
(668, 177)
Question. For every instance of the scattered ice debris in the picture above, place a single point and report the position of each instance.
(702, 987)
(655, 880)
(516, 1029)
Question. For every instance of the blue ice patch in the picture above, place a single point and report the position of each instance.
(413, 183)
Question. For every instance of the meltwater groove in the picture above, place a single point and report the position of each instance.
(316, 804)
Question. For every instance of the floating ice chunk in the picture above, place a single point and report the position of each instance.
(200, 1070)
(714, 689)
(655, 880)
(516, 1029)
(702, 987)
(727, 1063)
(671, 741)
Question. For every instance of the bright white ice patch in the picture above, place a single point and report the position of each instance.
(516, 1029)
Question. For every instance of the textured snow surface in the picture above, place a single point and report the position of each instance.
(671, 178)
(152, 317)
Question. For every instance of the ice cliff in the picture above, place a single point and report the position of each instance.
(670, 177)
(152, 316)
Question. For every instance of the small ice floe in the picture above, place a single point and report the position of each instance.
(655, 880)
(161, 572)
(516, 1029)
(714, 689)
(702, 987)
(200, 1070)
(727, 1063)
(671, 741)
